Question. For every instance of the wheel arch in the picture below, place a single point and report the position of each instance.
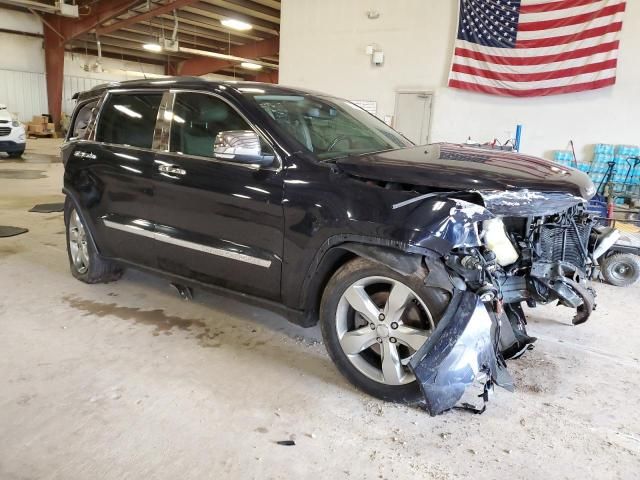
(335, 256)
(86, 219)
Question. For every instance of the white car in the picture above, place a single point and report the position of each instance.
(13, 138)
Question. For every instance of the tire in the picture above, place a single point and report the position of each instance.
(341, 325)
(621, 269)
(15, 154)
(84, 262)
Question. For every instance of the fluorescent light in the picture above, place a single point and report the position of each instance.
(152, 47)
(127, 111)
(224, 56)
(137, 73)
(251, 66)
(235, 24)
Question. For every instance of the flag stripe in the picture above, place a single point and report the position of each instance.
(570, 29)
(573, 88)
(554, 82)
(536, 52)
(551, 6)
(567, 12)
(537, 60)
(534, 77)
(544, 67)
(574, 20)
(552, 41)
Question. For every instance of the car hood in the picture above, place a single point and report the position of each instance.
(510, 183)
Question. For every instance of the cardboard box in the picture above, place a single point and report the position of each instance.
(36, 127)
(51, 127)
(39, 119)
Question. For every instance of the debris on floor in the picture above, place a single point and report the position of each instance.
(7, 231)
(48, 208)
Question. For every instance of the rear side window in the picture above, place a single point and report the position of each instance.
(129, 119)
(81, 120)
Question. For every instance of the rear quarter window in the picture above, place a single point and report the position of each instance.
(81, 120)
(129, 119)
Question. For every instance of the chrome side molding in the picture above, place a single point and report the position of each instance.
(161, 237)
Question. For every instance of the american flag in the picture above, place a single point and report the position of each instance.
(529, 48)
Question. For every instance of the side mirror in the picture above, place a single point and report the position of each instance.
(242, 146)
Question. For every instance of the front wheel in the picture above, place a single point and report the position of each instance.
(15, 154)
(373, 320)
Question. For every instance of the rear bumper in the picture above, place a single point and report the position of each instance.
(9, 146)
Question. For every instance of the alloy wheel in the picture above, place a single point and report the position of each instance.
(78, 243)
(381, 323)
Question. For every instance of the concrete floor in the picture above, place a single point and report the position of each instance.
(126, 381)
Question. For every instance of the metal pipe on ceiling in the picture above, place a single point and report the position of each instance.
(29, 4)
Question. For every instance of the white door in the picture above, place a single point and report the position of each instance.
(413, 114)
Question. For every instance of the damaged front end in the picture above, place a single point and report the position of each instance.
(518, 247)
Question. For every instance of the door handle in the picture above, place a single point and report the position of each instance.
(172, 169)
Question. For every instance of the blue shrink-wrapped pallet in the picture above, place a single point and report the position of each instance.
(603, 148)
(627, 150)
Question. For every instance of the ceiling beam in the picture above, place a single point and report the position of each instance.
(139, 38)
(115, 55)
(194, 32)
(202, 65)
(249, 8)
(125, 46)
(154, 12)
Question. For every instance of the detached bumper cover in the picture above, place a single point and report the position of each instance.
(461, 352)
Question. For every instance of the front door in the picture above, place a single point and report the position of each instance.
(217, 222)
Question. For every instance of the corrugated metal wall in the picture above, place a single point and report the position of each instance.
(73, 85)
(25, 93)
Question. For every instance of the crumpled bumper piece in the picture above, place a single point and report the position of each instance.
(460, 352)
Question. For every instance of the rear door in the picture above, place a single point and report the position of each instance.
(111, 174)
(217, 221)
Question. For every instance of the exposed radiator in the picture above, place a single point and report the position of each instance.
(562, 243)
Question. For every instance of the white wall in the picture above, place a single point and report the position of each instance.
(323, 44)
(22, 70)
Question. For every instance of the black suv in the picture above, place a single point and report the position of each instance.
(415, 259)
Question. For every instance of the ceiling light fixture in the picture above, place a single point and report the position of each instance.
(224, 56)
(251, 66)
(152, 47)
(236, 24)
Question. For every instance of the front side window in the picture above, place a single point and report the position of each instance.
(329, 127)
(129, 119)
(197, 120)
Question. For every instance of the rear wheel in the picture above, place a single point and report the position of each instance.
(621, 269)
(85, 263)
(373, 320)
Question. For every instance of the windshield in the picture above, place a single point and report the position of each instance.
(329, 127)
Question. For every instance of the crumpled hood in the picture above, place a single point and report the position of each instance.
(463, 168)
